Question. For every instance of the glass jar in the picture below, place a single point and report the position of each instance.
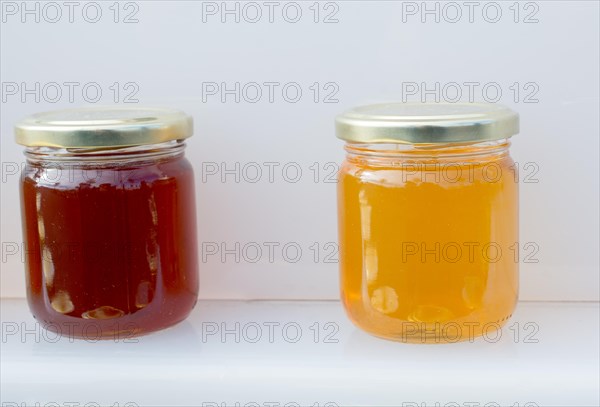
(109, 220)
(428, 220)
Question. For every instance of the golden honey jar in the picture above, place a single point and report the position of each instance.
(428, 220)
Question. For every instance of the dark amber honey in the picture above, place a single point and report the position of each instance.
(111, 248)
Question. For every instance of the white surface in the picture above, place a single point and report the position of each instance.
(555, 365)
(369, 53)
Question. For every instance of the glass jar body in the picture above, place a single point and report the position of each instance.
(429, 239)
(110, 239)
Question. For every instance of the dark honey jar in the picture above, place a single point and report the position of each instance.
(109, 222)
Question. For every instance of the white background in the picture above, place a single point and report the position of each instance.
(371, 54)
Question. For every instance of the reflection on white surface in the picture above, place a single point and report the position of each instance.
(304, 353)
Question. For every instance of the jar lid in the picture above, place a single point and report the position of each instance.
(92, 127)
(426, 123)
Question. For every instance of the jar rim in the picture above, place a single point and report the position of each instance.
(412, 123)
(103, 127)
(101, 155)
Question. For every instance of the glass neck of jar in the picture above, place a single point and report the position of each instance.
(389, 154)
(146, 152)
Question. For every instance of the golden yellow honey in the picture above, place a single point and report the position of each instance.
(428, 220)
(428, 240)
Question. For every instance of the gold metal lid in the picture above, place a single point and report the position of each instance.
(426, 123)
(93, 127)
